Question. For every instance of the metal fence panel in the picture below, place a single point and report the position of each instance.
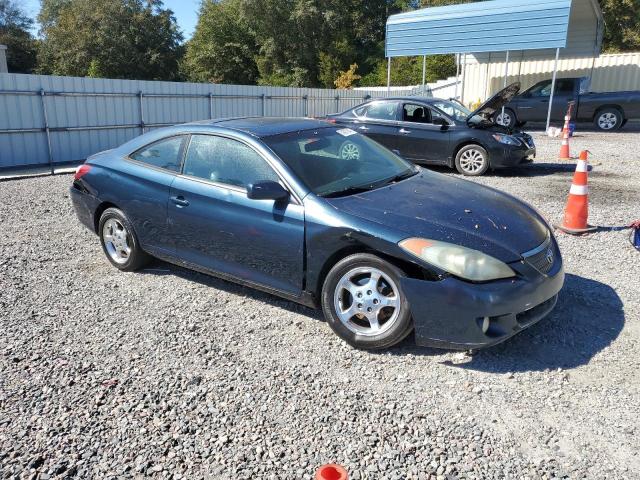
(48, 120)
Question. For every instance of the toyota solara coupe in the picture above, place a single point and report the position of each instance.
(382, 246)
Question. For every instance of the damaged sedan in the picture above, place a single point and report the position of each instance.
(382, 246)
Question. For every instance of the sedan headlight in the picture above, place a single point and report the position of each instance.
(460, 261)
(506, 139)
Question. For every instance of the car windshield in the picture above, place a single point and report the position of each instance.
(454, 110)
(336, 162)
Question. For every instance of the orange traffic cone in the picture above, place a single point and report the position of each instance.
(577, 210)
(565, 153)
(331, 472)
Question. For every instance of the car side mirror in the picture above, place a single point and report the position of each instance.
(267, 190)
(440, 122)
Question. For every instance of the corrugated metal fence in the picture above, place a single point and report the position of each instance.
(610, 72)
(47, 120)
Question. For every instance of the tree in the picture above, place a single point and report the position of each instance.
(222, 49)
(622, 20)
(15, 33)
(348, 78)
(408, 70)
(109, 38)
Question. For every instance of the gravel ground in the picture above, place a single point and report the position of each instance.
(174, 374)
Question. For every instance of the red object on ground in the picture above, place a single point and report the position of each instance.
(577, 211)
(331, 472)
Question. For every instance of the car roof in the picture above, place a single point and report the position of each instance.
(265, 126)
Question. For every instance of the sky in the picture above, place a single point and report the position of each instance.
(185, 11)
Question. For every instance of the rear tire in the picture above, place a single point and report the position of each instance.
(472, 160)
(363, 302)
(119, 241)
(608, 120)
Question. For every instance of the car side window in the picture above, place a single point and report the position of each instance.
(563, 87)
(416, 113)
(224, 160)
(382, 111)
(165, 153)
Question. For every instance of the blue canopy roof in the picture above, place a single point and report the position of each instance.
(488, 26)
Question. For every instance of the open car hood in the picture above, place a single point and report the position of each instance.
(495, 103)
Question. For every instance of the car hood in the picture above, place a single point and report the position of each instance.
(439, 207)
(495, 103)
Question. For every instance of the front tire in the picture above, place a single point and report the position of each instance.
(119, 241)
(472, 160)
(608, 120)
(363, 302)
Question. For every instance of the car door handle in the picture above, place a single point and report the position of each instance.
(180, 201)
(404, 131)
(363, 128)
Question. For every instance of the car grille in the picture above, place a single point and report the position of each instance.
(542, 257)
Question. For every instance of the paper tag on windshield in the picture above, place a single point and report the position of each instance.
(346, 132)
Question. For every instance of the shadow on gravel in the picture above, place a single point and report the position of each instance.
(158, 267)
(533, 170)
(589, 316)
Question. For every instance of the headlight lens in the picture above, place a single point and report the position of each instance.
(460, 261)
(506, 139)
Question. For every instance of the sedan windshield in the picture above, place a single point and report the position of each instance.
(336, 162)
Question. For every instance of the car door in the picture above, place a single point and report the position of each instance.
(142, 190)
(533, 105)
(216, 227)
(379, 120)
(423, 135)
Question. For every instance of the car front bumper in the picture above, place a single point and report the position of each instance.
(504, 156)
(455, 314)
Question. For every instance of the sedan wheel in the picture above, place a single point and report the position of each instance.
(363, 303)
(608, 120)
(506, 120)
(472, 160)
(366, 301)
(119, 241)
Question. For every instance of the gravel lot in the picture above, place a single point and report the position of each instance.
(171, 373)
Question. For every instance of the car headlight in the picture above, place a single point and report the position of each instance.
(460, 261)
(506, 139)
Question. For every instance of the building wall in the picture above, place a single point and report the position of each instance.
(609, 72)
(65, 119)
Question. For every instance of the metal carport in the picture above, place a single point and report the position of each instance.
(494, 26)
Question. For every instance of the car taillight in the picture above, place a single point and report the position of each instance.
(81, 171)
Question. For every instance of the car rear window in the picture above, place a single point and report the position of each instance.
(165, 154)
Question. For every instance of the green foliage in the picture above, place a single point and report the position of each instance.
(622, 19)
(15, 34)
(110, 38)
(222, 49)
(408, 70)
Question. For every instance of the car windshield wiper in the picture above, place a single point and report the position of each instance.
(347, 191)
(395, 178)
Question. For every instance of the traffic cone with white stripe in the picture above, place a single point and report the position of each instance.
(577, 211)
(565, 152)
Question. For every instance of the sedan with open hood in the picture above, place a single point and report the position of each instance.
(434, 131)
(382, 246)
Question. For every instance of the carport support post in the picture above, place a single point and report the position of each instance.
(46, 129)
(464, 77)
(424, 73)
(506, 74)
(553, 88)
(389, 75)
(457, 74)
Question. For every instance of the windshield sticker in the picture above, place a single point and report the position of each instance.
(346, 132)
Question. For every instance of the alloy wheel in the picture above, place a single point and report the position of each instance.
(472, 161)
(607, 121)
(366, 301)
(503, 119)
(116, 240)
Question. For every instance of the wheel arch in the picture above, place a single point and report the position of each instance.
(411, 269)
(465, 143)
(606, 106)
(98, 213)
